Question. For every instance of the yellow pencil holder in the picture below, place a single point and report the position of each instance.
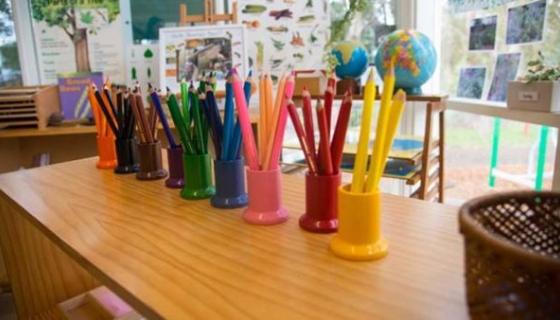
(359, 226)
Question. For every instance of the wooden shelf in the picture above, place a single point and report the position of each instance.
(172, 258)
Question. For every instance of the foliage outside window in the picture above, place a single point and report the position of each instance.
(362, 20)
(10, 72)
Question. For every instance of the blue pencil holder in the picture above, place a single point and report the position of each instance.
(230, 184)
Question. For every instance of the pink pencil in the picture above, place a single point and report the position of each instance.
(245, 123)
(272, 161)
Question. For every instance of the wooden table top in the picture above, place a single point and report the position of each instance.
(172, 258)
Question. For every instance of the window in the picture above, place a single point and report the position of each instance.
(10, 71)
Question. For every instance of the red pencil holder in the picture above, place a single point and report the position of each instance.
(265, 198)
(321, 203)
(106, 151)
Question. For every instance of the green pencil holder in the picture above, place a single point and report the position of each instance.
(198, 177)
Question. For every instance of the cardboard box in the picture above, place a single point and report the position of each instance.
(541, 96)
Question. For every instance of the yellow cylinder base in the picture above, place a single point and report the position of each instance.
(359, 227)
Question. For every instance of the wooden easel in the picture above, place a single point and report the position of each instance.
(209, 15)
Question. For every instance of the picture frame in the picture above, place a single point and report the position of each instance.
(190, 52)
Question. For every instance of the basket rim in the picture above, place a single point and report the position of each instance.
(467, 224)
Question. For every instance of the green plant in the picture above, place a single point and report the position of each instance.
(538, 70)
(339, 28)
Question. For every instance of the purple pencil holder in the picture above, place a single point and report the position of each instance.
(229, 177)
(175, 165)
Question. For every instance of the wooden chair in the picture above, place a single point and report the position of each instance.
(431, 176)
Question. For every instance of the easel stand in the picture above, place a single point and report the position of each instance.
(209, 15)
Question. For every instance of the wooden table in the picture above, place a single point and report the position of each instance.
(69, 227)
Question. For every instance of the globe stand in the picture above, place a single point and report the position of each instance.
(352, 85)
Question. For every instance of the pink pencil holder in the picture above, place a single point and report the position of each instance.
(265, 198)
(321, 203)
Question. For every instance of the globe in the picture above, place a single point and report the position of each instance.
(415, 59)
(352, 60)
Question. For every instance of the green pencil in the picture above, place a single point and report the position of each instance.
(195, 105)
(179, 123)
(185, 103)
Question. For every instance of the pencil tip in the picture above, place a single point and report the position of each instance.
(371, 76)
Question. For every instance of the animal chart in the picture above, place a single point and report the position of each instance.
(285, 34)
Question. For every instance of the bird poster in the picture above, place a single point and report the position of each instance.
(285, 34)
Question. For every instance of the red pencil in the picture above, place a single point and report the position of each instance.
(325, 161)
(308, 121)
(309, 156)
(337, 145)
(332, 81)
(329, 96)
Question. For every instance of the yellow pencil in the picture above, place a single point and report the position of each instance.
(394, 118)
(372, 180)
(360, 162)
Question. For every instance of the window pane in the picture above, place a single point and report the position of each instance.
(10, 71)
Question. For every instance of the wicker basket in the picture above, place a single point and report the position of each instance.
(512, 255)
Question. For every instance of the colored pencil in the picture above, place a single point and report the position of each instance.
(329, 97)
(360, 161)
(179, 121)
(198, 125)
(374, 176)
(163, 119)
(303, 141)
(273, 157)
(308, 120)
(394, 118)
(324, 159)
(245, 124)
(269, 110)
(215, 120)
(236, 141)
(145, 124)
(185, 102)
(107, 113)
(339, 136)
(143, 135)
(229, 118)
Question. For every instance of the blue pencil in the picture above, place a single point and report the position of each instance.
(163, 119)
(228, 121)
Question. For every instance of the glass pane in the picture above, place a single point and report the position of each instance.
(10, 71)
(469, 153)
(369, 27)
(149, 15)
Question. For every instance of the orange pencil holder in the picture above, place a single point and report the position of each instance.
(321, 203)
(106, 151)
(265, 198)
(359, 226)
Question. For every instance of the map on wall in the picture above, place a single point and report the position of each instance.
(78, 36)
(284, 35)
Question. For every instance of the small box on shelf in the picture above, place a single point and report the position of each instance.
(543, 96)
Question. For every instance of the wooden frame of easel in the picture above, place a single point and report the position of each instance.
(209, 15)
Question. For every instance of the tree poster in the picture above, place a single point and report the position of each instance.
(78, 36)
